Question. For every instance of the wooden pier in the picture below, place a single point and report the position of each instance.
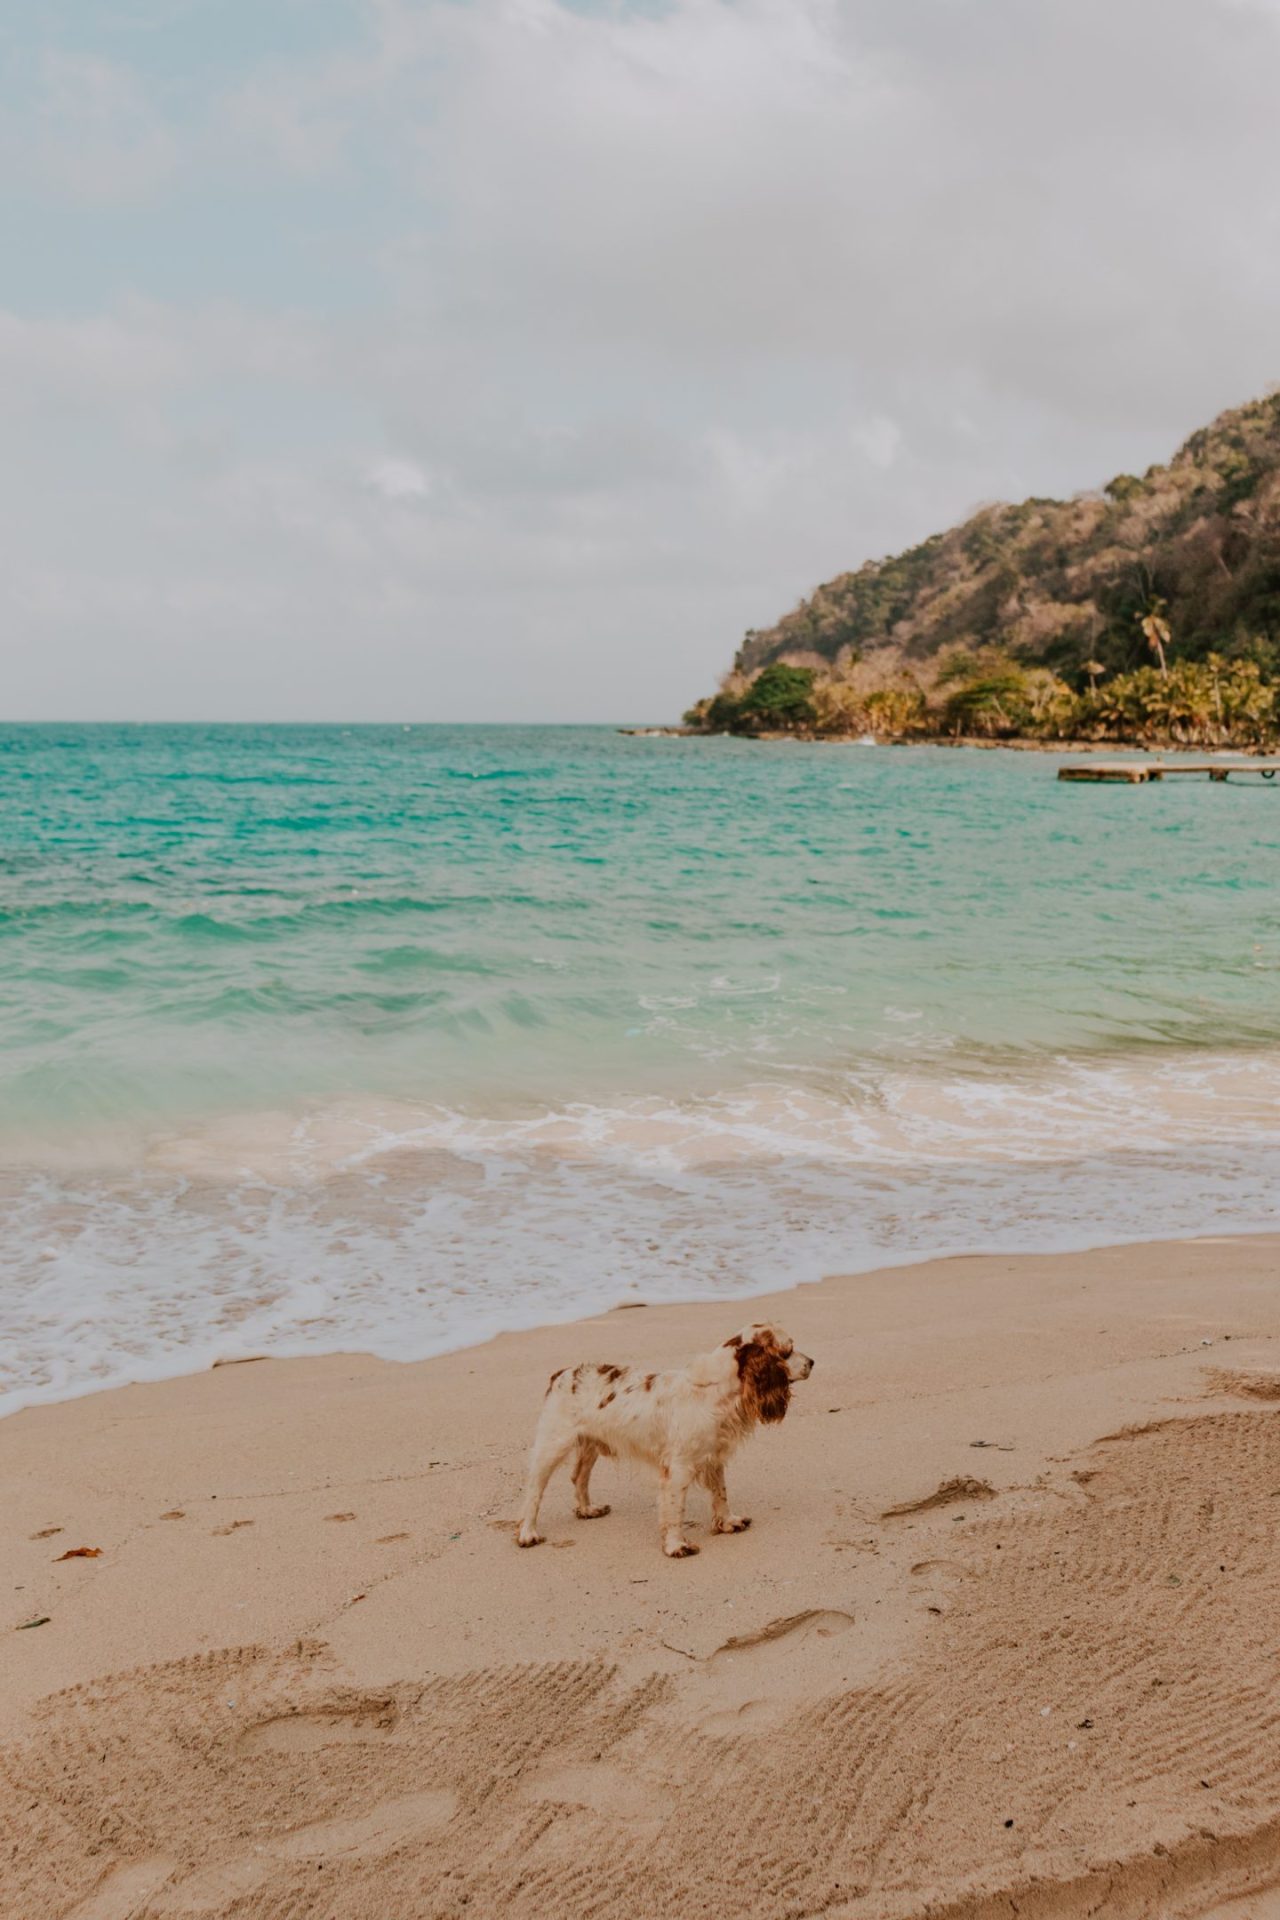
(1136, 772)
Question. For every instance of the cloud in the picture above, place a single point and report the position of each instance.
(1013, 190)
(302, 121)
(92, 133)
(539, 349)
(879, 439)
(397, 479)
(144, 358)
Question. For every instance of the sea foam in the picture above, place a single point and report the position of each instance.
(406, 1231)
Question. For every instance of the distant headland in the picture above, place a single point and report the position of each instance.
(1147, 613)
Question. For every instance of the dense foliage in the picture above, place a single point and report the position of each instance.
(1212, 702)
(1150, 610)
(780, 696)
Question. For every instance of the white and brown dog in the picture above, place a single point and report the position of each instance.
(686, 1423)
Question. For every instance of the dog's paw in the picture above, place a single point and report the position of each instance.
(524, 1539)
(684, 1550)
(592, 1513)
(732, 1523)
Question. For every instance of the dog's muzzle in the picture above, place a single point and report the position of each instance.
(799, 1366)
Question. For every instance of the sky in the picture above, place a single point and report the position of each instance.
(473, 360)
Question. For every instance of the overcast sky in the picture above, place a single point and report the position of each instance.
(506, 359)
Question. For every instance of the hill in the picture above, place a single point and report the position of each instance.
(1104, 615)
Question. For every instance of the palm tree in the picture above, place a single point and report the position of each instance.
(1155, 628)
(1093, 668)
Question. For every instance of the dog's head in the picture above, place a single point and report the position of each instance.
(767, 1365)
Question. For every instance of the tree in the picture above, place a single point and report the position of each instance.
(991, 702)
(780, 696)
(1155, 628)
(896, 709)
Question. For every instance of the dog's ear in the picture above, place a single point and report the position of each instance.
(766, 1390)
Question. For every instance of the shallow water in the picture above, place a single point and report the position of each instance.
(389, 1037)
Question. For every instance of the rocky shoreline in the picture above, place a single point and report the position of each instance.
(1155, 748)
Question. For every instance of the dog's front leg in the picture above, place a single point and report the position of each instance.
(677, 1478)
(722, 1521)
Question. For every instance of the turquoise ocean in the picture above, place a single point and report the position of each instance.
(386, 1038)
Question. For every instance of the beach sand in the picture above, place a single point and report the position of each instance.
(1003, 1639)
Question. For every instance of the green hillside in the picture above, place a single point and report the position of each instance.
(1119, 613)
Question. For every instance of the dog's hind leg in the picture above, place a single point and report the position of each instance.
(550, 1448)
(588, 1454)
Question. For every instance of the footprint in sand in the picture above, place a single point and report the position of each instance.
(1250, 1906)
(756, 1677)
(341, 1723)
(232, 1526)
(601, 1789)
(962, 1487)
(935, 1583)
(1244, 1383)
(213, 1889)
(371, 1833)
(820, 1623)
(123, 1891)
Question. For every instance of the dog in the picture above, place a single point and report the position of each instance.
(685, 1423)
